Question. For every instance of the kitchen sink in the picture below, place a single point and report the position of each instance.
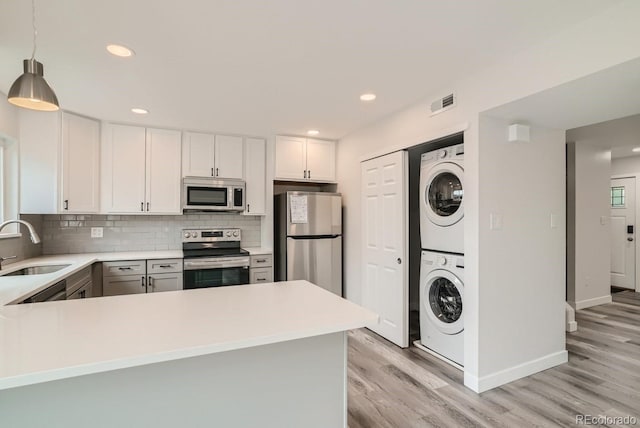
(36, 270)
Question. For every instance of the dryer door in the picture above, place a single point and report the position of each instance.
(443, 191)
(442, 296)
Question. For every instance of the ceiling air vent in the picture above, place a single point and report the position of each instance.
(443, 104)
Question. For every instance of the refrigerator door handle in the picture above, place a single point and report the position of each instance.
(308, 237)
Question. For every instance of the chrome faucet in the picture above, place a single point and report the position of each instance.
(32, 232)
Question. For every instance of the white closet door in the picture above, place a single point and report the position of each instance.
(385, 245)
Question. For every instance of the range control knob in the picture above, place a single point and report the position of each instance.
(442, 260)
(228, 233)
(187, 235)
(442, 154)
(236, 233)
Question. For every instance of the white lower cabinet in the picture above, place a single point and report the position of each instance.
(261, 269)
(141, 276)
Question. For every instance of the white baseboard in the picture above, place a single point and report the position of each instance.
(583, 304)
(494, 380)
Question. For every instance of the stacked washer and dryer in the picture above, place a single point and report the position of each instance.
(442, 260)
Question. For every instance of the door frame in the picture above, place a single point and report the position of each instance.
(635, 176)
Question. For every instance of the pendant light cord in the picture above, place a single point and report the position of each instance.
(35, 31)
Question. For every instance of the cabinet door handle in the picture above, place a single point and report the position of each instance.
(124, 268)
(147, 206)
(151, 281)
(309, 174)
(212, 173)
(305, 173)
(248, 208)
(261, 260)
(165, 266)
(142, 206)
(66, 204)
(144, 283)
(83, 294)
(217, 172)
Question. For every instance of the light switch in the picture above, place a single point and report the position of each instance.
(554, 221)
(97, 232)
(603, 220)
(495, 221)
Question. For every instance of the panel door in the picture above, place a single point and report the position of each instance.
(198, 151)
(163, 172)
(164, 282)
(229, 157)
(80, 164)
(129, 284)
(291, 158)
(623, 245)
(126, 169)
(385, 245)
(321, 160)
(255, 176)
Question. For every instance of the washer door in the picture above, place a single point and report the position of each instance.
(443, 194)
(442, 296)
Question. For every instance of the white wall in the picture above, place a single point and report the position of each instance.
(591, 46)
(628, 165)
(588, 249)
(8, 118)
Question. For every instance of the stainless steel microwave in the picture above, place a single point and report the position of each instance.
(205, 194)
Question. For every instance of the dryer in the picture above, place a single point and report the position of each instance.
(441, 199)
(442, 304)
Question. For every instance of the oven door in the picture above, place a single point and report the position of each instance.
(199, 273)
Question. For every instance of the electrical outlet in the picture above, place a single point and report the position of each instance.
(97, 232)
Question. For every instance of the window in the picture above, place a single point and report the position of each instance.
(617, 197)
(8, 185)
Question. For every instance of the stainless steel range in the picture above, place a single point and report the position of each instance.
(213, 258)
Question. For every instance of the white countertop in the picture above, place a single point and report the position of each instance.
(18, 288)
(55, 340)
(258, 251)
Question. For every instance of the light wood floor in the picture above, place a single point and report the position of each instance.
(393, 387)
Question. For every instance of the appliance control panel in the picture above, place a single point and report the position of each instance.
(211, 235)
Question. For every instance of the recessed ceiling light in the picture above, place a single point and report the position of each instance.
(119, 50)
(139, 110)
(313, 132)
(367, 97)
(636, 149)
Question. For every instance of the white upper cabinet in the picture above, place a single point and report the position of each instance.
(198, 151)
(305, 159)
(291, 158)
(141, 170)
(208, 155)
(80, 164)
(163, 172)
(59, 163)
(256, 176)
(321, 160)
(229, 157)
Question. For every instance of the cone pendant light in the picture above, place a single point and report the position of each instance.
(31, 90)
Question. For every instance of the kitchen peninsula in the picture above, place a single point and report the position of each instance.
(268, 355)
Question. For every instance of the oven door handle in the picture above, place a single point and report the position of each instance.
(215, 265)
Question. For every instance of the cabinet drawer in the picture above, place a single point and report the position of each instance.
(263, 260)
(124, 284)
(260, 275)
(128, 267)
(164, 266)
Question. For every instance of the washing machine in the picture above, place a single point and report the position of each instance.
(441, 304)
(441, 199)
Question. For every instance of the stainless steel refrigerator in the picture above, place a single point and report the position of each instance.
(308, 238)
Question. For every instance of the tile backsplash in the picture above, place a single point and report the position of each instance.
(63, 234)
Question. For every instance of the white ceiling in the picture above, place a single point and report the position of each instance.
(266, 67)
